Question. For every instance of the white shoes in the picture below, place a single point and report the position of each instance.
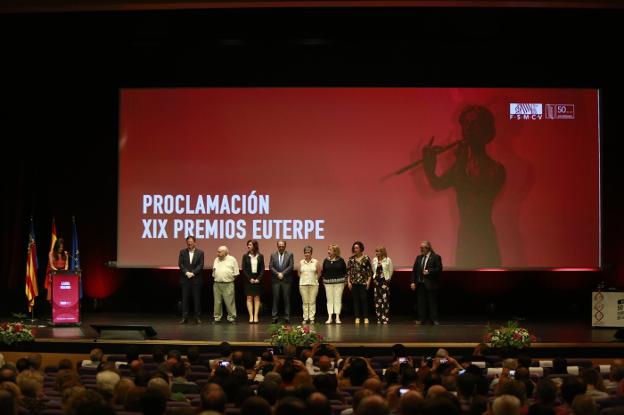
(329, 320)
(365, 321)
(357, 321)
(338, 320)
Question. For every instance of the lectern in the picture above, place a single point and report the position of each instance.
(66, 297)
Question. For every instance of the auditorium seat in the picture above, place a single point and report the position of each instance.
(351, 389)
(51, 392)
(582, 363)
(573, 370)
(232, 411)
(337, 409)
(185, 388)
(536, 372)
(345, 395)
(617, 410)
(205, 357)
(53, 404)
(51, 369)
(87, 370)
(116, 358)
(150, 367)
(177, 404)
(181, 410)
(605, 370)
(493, 360)
(616, 401)
(54, 411)
(382, 361)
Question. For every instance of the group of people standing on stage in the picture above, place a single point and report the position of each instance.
(358, 273)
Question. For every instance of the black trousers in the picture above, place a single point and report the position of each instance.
(281, 289)
(427, 302)
(360, 300)
(188, 289)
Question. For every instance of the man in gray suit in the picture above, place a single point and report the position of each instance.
(281, 265)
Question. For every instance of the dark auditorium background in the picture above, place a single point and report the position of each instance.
(61, 72)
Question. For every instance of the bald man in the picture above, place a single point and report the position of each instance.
(224, 271)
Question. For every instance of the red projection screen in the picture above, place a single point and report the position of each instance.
(511, 179)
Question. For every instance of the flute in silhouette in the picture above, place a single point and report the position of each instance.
(418, 162)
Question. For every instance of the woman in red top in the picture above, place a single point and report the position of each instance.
(58, 261)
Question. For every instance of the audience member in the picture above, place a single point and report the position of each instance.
(256, 405)
(506, 405)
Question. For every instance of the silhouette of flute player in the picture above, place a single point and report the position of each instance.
(477, 180)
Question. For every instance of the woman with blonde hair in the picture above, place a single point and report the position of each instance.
(383, 270)
(334, 276)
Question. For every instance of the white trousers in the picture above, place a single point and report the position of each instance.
(308, 296)
(333, 292)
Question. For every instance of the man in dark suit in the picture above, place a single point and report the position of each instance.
(425, 281)
(191, 263)
(281, 265)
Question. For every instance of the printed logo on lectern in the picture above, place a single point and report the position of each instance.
(530, 111)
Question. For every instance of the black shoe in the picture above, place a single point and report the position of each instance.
(183, 321)
(287, 321)
(274, 321)
(198, 321)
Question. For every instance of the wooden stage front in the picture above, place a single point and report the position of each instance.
(571, 339)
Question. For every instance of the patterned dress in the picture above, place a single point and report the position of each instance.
(382, 295)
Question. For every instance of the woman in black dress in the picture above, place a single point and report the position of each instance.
(253, 268)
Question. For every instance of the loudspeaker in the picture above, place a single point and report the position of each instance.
(124, 332)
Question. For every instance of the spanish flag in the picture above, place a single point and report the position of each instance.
(31, 269)
(48, 279)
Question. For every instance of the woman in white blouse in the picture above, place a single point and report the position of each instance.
(309, 271)
(383, 270)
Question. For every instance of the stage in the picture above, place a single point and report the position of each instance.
(573, 338)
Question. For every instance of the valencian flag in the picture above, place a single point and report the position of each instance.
(32, 266)
(48, 279)
(74, 265)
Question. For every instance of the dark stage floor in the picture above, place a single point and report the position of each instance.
(454, 333)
